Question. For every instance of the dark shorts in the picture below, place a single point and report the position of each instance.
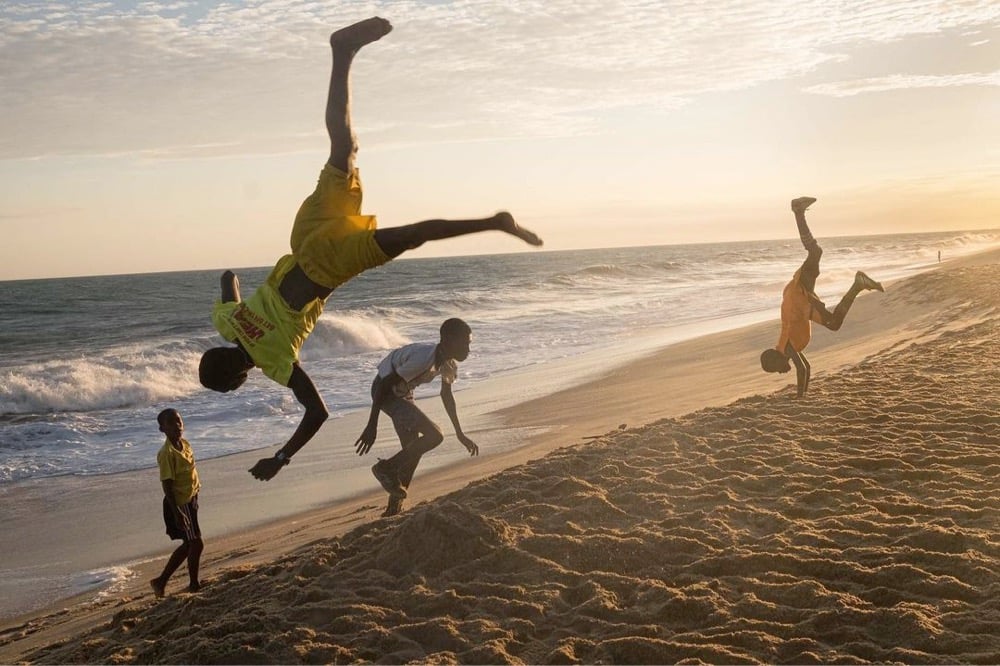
(407, 418)
(176, 529)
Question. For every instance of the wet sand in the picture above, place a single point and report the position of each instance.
(740, 524)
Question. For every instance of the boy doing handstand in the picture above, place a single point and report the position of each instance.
(331, 242)
(800, 306)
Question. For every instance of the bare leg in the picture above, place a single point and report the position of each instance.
(810, 270)
(345, 44)
(803, 371)
(834, 320)
(396, 240)
(406, 461)
(159, 584)
(799, 207)
(194, 561)
(810, 267)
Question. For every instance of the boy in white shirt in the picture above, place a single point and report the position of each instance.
(392, 392)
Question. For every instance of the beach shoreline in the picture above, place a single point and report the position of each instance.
(695, 375)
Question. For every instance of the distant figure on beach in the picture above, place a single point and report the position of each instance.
(331, 243)
(800, 306)
(392, 393)
(180, 501)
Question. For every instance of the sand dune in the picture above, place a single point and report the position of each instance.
(857, 525)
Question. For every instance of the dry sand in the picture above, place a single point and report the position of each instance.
(857, 525)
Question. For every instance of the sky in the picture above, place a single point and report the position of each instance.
(152, 136)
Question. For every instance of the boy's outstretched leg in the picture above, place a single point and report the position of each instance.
(345, 43)
(396, 240)
(867, 283)
(861, 283)
(810, 267)
(159, 584)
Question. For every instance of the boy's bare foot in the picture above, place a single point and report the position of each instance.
(802, 203)
(193, 588)
(865, 282)
(389, 479)
(353, 37)
(159, 589)
(394, 507)
(508, 224)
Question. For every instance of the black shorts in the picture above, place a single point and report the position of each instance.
(175, 528)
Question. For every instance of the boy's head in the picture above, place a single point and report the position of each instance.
(772, 360)
(171, 424)
(222, 369)
(456, 336)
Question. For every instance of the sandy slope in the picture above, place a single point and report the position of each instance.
(857, 525)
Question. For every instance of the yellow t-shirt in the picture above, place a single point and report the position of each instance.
(797, 315)
(178, 466)
(270, 331)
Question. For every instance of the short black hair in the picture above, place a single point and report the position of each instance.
(453, 326)
(222, 369)
(162, 416)
(772, 360)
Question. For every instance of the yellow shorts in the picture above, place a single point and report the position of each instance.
(331, 240)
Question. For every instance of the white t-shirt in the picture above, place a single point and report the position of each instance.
(414, 363)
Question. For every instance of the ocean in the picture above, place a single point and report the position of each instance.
(87, 363)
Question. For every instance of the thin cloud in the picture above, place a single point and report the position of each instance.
(159, 76)
(18, 216)
(903, 82)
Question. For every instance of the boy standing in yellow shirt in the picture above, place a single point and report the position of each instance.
(180, 501)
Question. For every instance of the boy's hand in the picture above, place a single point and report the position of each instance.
(364, 443)
(267, 468)
(472, 447)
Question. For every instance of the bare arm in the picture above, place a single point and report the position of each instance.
(449, 406)
(230, 285)
(316, 414)
(383, 386)
(802, 368)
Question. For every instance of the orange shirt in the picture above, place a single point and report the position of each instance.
(797, 315)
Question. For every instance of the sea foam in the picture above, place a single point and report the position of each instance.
(339, 334)
(110, 381)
